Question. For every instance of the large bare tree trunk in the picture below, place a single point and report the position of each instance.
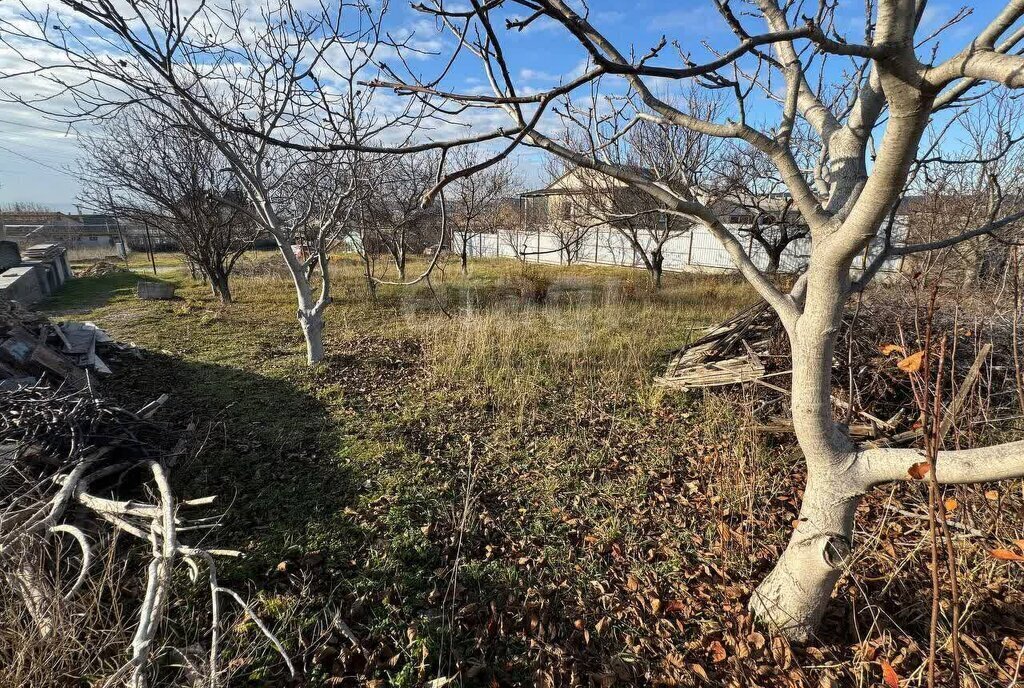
(794, 596)
(657, 268)
(221, 287)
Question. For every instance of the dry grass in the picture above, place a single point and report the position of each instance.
(89, 638)
(503, 496)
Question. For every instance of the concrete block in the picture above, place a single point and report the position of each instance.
(155, 290)
(47, 274)
(9, 255)
(23, 284)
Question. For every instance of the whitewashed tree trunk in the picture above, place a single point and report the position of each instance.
(794, 596)
(312, 324)
(310, 312)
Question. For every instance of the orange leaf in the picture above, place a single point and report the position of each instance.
(676, 606)
(889, 675)
(1007, 555)
(887, 349)
(718, 653)
(919, 470)
(951, 505)
(912, 363)
(992, 495)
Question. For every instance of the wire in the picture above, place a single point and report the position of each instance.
(39, 162)
(69, 132)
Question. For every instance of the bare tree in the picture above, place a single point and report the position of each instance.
(972, 172)
(756, 201)
(597, 200)
(675, 157)
(145, 167)
(476, 201)
(869, 119)
(398, 220)
(889, 94)
(215, 67)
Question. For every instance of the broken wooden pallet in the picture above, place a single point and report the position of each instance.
(727, 354)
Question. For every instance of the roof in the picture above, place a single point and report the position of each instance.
(36, 217)
(562, 185)
(98, 221)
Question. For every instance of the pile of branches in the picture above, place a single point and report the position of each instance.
(79, 469)
(878, 353)
(103, 267)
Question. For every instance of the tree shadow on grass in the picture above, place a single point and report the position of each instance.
(265, 453)
(344, 515)
(87, 293)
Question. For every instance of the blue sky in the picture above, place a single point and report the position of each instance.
(38, 156)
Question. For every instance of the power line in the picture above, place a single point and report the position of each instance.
(70, 132)
(53, 157)
(39, 162)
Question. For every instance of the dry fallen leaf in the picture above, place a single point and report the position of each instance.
(951, 505)
(889, 675)
(717, 650)
(919, 470)
(1007, 555)
(675, 606)
(887, 349)
(992, 495)
(912, 363)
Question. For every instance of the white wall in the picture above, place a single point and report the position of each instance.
(695, 251)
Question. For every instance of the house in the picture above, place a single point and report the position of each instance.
(584, 196)
(73, 231)
(584, 216)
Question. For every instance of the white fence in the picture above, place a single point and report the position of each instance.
(695, 251)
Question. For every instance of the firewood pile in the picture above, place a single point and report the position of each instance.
(79, 472)
(728, 354)
(103, 267)
(32, 348)
(872, 393)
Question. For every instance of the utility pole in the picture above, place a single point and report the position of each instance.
(120, 236)
(149, 246)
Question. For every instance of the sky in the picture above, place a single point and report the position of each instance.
(39, 156)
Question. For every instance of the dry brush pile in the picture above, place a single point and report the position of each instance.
(83, 482)
(879, 355)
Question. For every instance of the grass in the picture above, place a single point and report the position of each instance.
(483, 481)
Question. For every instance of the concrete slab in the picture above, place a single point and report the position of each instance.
(23, 284)
(9, 255)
